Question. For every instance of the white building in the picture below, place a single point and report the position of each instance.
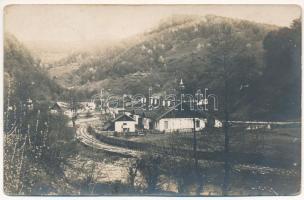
(180, 118)
(218, 123)
(59, 107)
(179, 124)
(124, 123)
(177, 118)
(142, 118)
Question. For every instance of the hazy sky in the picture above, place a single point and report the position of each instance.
(80, 23)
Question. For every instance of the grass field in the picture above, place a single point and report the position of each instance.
(277, 172)
(282, 144)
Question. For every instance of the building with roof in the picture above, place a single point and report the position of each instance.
(177, 118)
(122, 124)
(180, 118)
(167, 115)
(144, 118)
(58, 107)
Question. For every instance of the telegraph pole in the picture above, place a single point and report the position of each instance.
(226, 133)
(199, 185)
(194, 147)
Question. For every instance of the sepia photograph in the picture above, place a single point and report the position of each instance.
(174, 100)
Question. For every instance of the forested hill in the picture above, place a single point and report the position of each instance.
(260, 62)
(157, 58)
(23, 78)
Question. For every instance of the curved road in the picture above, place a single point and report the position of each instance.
(83, 136)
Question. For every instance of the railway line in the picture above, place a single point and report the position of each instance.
(83, 136)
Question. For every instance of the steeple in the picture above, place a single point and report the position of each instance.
(181, 85)
(181, 90)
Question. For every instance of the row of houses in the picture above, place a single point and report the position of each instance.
(177, 118)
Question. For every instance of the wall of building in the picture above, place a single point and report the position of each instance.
(179, 124)
(121, 125)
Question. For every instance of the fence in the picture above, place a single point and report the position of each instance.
(248, 158)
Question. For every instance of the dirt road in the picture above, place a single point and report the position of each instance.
(89, 140)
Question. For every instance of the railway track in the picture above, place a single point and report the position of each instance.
(89, 140)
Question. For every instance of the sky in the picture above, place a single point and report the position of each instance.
(86, 23)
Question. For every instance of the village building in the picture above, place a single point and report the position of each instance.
(180, 118)
(58, 107)
(55, 108)
(144, 118)
(122, 124)
(217, 123)
(165, 115)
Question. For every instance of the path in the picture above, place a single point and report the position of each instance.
(89, 140)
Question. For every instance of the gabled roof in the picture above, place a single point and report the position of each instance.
(178, 111)
(55, 106)
(63, 104)
(152, 114)
(182, 110)
(59, 105)
(123, 117)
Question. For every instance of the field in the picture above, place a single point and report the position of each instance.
(275, 170)
(277, 144)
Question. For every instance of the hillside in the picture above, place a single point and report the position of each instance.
(163, 52)
(24, 76)
(187, 47)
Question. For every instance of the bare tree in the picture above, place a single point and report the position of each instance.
(225, 48)
(132, 173)
(149, 167)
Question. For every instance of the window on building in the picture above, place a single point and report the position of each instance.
(124, 124)
(166, 124)
(197, 123)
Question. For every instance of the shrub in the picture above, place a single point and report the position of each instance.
(149, 166)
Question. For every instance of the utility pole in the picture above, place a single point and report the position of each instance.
(197, 176)
(194, 131)
(194, 147)
(195, 144)
(226, 133)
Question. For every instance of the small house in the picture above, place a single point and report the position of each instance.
(57, 107)
(122, 123)
(217, 123)
(61, 107)
(144, 118)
